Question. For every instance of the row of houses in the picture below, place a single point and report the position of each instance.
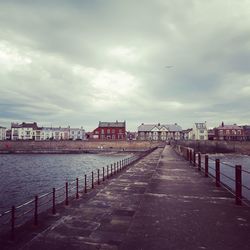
(117, 131)
(31, 131)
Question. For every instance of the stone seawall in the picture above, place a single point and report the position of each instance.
(73, 146)
(242, 147)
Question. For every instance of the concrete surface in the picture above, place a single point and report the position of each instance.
(159, 203)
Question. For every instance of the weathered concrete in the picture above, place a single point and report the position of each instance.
(73, 146)
(159, 203)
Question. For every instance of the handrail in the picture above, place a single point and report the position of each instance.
(70, 191)
(188, 153)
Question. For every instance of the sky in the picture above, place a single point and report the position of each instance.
(147, 61)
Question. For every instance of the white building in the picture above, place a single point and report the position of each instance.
(2, 133)
(59, 133)
(158, 132)
(200, 131)
(24, 131)
(77, 134)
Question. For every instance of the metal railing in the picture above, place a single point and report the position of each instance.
(15, 217)
(215, 168)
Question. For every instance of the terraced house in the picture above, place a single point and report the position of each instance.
(158, 132)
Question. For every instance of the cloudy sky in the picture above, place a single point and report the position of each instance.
(80, 62)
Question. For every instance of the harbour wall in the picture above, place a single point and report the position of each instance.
(241, 147)
(74, 146)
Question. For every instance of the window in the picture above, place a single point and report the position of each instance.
(113, 131)
(120, 130)
(108, 131)
(201, 137)
(201, 131)
(227, 132)
(102, 131)
(239, 132)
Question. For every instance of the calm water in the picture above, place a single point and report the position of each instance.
(232, 159)
(24, 176)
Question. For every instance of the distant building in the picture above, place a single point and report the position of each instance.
(246, 130)
(199, 131)
(110, 131)
(77, 134)
(211, 134)
(30, 131)
(131, 135)
(229, 132)
(24, 131)
(8, 134)
(158, 132)
(186, 134)
(2, 133)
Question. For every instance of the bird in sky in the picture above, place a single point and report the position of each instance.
(169, 66)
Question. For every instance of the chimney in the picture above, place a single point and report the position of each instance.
(222, 124)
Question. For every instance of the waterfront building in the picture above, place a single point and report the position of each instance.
(158, 132)
(131, 136)
(229, 132)
(110, 131)
(186, 134)
(8, 134)
(77, 134)
(246, 130)
(55, 133)
(200, 131)
(24, 131)
(2, 133)
(211, 134)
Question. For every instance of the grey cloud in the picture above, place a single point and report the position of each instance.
(106, 60)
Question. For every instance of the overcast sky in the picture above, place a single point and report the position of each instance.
(80, 62)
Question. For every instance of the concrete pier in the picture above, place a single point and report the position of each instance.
(159, 203)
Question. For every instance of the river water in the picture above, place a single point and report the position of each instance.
(22, 176)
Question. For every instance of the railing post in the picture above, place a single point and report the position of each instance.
(120, 165)
(190, 156)
(187, 154)
(199, 161)
(98, 176)
(206, 165)
(85, 184)
(107, 171)
(115, 168)
(92, 174)
(13, 210)
(117, 164)
(111, 166)
(194, 158)
(217, 172)
(77, 188)
(67, 194)
(54, 201)
(103, 174)
(238, 185)
(36, 211)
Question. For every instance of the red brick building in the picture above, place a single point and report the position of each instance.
(229, 133)
(110, 131)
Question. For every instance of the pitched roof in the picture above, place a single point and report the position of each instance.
(24, 125)
(148, 127)
(112, 124)
(229, 127)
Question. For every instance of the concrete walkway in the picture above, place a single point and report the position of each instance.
(159, 203)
